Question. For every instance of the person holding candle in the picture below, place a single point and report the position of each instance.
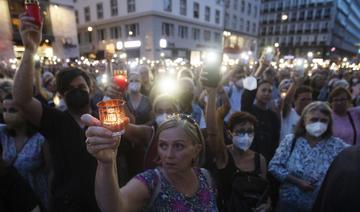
(180, 148)
(73, 168)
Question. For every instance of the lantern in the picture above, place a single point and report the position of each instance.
(112, 115)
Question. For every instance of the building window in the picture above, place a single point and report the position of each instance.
(207, 13)
(242, 6)
(114, 7)
(227, 16)
(318, 13)
(131, 6)
(236, 4)
(241, 25)
(183, 32)
(254, 28)
(168, 5)
(168, 29)
(76, 16)
(89, 37)
(183, 7)
(196, 10)
(249, 9)
(132, 30)
(207, 35)
(217, 37)
(79, 37)
(327, 12)
(255, 11)
(234, 22)
(217, 16)
(196, 34)
(284, 29)
(87, 14)
(101, 34)
(115, 32)
(247, 26)
(99, 11)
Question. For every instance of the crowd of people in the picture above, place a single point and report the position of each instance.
(261, 139)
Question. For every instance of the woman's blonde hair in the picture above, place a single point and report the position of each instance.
(191, 129)
(322, 107)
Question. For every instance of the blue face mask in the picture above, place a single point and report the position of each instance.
(243, 141)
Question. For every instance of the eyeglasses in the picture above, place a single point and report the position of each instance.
(189, 119)
(183, 117)
(239, 132)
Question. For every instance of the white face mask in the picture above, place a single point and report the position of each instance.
(239, 83)
(243, 141)
(161, 118)
(134, 87)
(316, 129)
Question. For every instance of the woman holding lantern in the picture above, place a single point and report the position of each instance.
(180, 148)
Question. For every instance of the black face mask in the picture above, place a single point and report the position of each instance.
(77, 99)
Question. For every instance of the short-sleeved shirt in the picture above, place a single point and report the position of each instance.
(74, 168)
(15, 194)
(168, 199)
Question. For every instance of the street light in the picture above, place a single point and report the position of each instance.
(89, 29)
(310, 55)
(284, 17)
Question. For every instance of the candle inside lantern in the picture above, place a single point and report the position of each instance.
(112, 114)
(120, 80)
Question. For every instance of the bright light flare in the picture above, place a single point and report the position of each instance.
(167, 86)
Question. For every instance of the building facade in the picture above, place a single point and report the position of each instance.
(324, 27)
(59, 29)
(241, 25)
(136, 27)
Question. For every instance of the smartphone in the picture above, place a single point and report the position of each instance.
(212, 67)
(269, 54)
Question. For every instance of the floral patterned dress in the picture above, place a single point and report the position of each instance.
(29, 162)
(168, 199)
(305, 162)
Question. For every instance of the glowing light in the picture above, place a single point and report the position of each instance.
(36, 57)
(119, 45)
(167, 85)
(310, 55)
(132, 44)
(13, 66)
(67, 60)
(162, 54)
(89, 29)
(163, 43)
(284, 17)
(226, 33)
(104, 79)
(276, 45)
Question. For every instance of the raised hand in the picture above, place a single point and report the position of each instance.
(31, 34)
(100, 142)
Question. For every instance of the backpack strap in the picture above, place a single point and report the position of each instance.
(353, 126)
(293, 142)
(257, 164)
(157, 188)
